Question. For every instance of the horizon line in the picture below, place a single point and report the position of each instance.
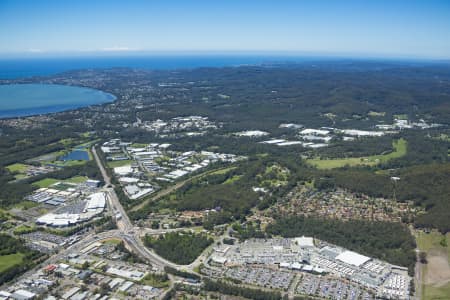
(187, 52)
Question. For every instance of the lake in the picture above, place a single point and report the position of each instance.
(75, 155)
(32, 99)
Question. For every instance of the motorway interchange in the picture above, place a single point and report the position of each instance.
(300, 267)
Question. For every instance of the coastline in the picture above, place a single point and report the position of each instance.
(77, 97)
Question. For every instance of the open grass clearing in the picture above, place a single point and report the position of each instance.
(10, 260)
(119, 163)
(112, 241)
(400, 148)
(233, 179)
(23, 228)
(401, 116)
(138, 145)
(25, 204)
(76, 179)
(46, 182)
(435, 281)
(17, 167)
(222, 171)
(376, 114)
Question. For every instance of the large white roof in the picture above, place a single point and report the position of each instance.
(96, 200)
(352, 258)
(124, 170)
(305, 241)
(314, 131)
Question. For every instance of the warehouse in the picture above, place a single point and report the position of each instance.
(96, 201)
(352, 258)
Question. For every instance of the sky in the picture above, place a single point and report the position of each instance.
(378, 28)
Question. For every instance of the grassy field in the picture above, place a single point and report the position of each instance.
(20, 168)
(46, 182)
(7, 261)
(436, 273)
(76, 179)
(22, 229)
(112, 241)
(401, 116)
(433, 241)
(434, 293)
(119, 163)
(400, 148)
(222, 171)
(138, 145)
(376, 114)
(154, 280)
(232, 179)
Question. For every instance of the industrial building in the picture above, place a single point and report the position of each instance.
(315, 257)
(93, 206)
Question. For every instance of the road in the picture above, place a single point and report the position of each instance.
(126, 231)
(123, 222)
(130, 234)
(418, 276)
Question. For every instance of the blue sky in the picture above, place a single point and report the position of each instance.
(393, 28)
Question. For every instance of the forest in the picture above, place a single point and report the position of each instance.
(234, 290)
(179, 247)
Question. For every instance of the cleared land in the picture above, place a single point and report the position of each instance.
(119, 163)
(400, 148)
(46, 182)
(435, 281)
(7, 261)
(21, 168)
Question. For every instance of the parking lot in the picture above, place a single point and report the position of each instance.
(330, 288)
(262, 277)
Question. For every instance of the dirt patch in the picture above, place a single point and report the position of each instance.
(438, 269)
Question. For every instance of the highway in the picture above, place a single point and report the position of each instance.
(131, 235)
(126, 231)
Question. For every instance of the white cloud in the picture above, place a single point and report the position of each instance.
(119, 48)
(35, 50)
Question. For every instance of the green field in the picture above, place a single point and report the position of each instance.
(401, 116)
(119, 163)
(20, 168)
(46, 182)
(222, 171)
(76, 179)
(434, 293)
(138, 145)
(22, 229)
(232, 179)
(7, 261)
(376, 114)
(158, 281)
(112, 241)
(400, 148)
(436, 244)
(433, 241)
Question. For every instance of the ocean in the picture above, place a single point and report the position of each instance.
(27, 67)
